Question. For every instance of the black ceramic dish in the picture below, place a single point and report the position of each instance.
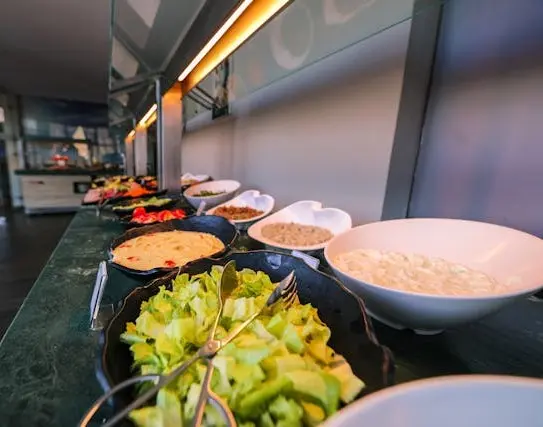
(114, 200)
(352, 331)
(125, 210)
(225, 231)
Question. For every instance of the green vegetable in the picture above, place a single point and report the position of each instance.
(153, 201)
(207, 193)
(279, 371)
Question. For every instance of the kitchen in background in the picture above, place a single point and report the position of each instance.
(62, 144)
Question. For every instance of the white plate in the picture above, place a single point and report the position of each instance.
(186, 178)
(229, 187)
(252, 199)
(307, 212)
(453, 401)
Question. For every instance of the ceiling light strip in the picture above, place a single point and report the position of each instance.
(147, 116)
(215, 38)
(255, 16)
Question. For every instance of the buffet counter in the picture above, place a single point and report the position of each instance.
(55, 190)
(48, 355)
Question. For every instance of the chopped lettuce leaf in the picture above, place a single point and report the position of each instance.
(279, 371)
(170, 406)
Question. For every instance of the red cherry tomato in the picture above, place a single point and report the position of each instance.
(139, 211)
(162, 216)
(179, 213)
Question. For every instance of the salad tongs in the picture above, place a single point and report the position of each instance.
(286, 291)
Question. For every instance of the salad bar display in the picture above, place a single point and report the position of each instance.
(294, 361)
(119, 187)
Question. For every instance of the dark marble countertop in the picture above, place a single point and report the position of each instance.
(48, 355)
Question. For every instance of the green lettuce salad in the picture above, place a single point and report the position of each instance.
(279, 371)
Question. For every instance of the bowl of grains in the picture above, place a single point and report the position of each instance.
(245, 209)
(303, 226)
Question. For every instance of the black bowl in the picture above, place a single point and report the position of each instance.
(353, 335)
(115, 200)
(108, 203)
(150, 208)
(221, 228)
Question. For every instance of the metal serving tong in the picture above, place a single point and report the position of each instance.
(286, 290)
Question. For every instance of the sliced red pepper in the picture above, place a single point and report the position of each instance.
(163, 216)
(139, 211)
(169, 263)
(167, 216)
(179, 213)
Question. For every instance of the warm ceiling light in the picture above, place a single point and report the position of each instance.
(216, 37)
(147, 116)
(248, 23)
(131, 134)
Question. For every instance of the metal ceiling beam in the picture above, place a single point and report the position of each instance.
(133, 83)
(212, 15)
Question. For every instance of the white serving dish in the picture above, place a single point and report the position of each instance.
(508, 255)
(188, 177)
(305, 212)
(252, 199)
(229, 187)
(453, 401)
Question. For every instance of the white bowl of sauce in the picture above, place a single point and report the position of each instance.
(429, 274)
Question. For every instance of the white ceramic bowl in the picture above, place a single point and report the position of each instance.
(190, 179)
(228, 186)
(508, 255)
(252, 199)
(454, 401)
(306, 212)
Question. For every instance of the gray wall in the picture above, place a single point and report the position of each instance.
(324, 133)
(482, 146)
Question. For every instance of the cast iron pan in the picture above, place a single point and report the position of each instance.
(221, 228)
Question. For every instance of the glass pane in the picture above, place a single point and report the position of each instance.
(304, 33)
(145, 32)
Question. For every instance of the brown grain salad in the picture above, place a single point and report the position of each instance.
(292, 234)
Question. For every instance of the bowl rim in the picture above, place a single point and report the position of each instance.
(211, 211)
(491, 296)
(260, 238)
(380, 396)
(195, 187)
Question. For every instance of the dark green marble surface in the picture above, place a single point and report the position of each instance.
(48, 355)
